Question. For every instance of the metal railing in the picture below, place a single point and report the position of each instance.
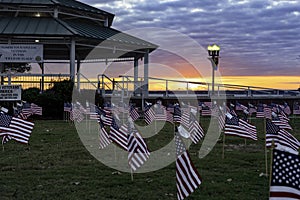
(41, 81)
(170, 87)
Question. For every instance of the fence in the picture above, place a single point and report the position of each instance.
(40, 81)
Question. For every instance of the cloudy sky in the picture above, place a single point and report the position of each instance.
(257, 37)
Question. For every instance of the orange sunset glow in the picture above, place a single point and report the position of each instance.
(277, 82)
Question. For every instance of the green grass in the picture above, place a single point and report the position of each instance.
(56, 165)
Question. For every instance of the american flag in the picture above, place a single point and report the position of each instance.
(26, 111)
(160, 112)
(200, 106)
(119, 134)
(94, 116)
(220, 115)
(185, 117)
(187, 176)
(205, 111)
(169, 117)
(105, 115)
(15, 128)
(77, 114)
(285, 176)
(170, 108)
(36, 110)
(280, 137)
(267, 112)
(260, 111)
(237, 127)
(221, 120)
(251, 109)
(281, 121)
(138, 152)
(104, 139)
(250, 128)
(177, 114)
(149, 114)
(283, 117)
(287, 109)
(67, 107)
(275, 107)
(296, 109)
(231, 110)
(239, 106)
(195, 130)
(133, 113)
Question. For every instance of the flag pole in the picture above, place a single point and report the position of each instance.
(131, 174)
(249, 123)
(115, 151)
(155, 126)
(223, 153)
(271, 163)
(266, 154)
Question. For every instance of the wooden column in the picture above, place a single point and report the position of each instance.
(135, 75)
(146, 73)
(72, 60)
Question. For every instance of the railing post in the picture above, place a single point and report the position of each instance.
(103, 85)
(249, 91)
(127, 89)
(187, 88)
(167, 88)
(122, 89)
(207, 89)
(218, 90)
(9, 76)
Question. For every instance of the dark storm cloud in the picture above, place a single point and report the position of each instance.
(257, 37)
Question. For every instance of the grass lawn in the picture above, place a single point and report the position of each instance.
(56, 165)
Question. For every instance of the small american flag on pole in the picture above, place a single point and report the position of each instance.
(37, 110)
(15, 128)
(267, 112)
(138, 152)
(185, 117)
(187, 176)
(287, 109)
(285, 176)
(281, 121)
(119, 134)
(177, 114)
(237, 127)
(149, 115)
(104, 139)
(296, 109)
(280, 137)
(67, 107)
(260, 111)
(239, 106)
(196, 131)
(205, 111)
(160, 112)
(133, 113)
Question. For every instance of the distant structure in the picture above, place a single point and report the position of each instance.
(67, 30)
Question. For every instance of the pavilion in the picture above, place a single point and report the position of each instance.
(70, 30)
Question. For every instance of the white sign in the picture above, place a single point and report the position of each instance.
(23, 53)
(10, 92)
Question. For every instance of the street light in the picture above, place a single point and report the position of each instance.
(213, 52)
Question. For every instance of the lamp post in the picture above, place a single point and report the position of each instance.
(213, 52)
